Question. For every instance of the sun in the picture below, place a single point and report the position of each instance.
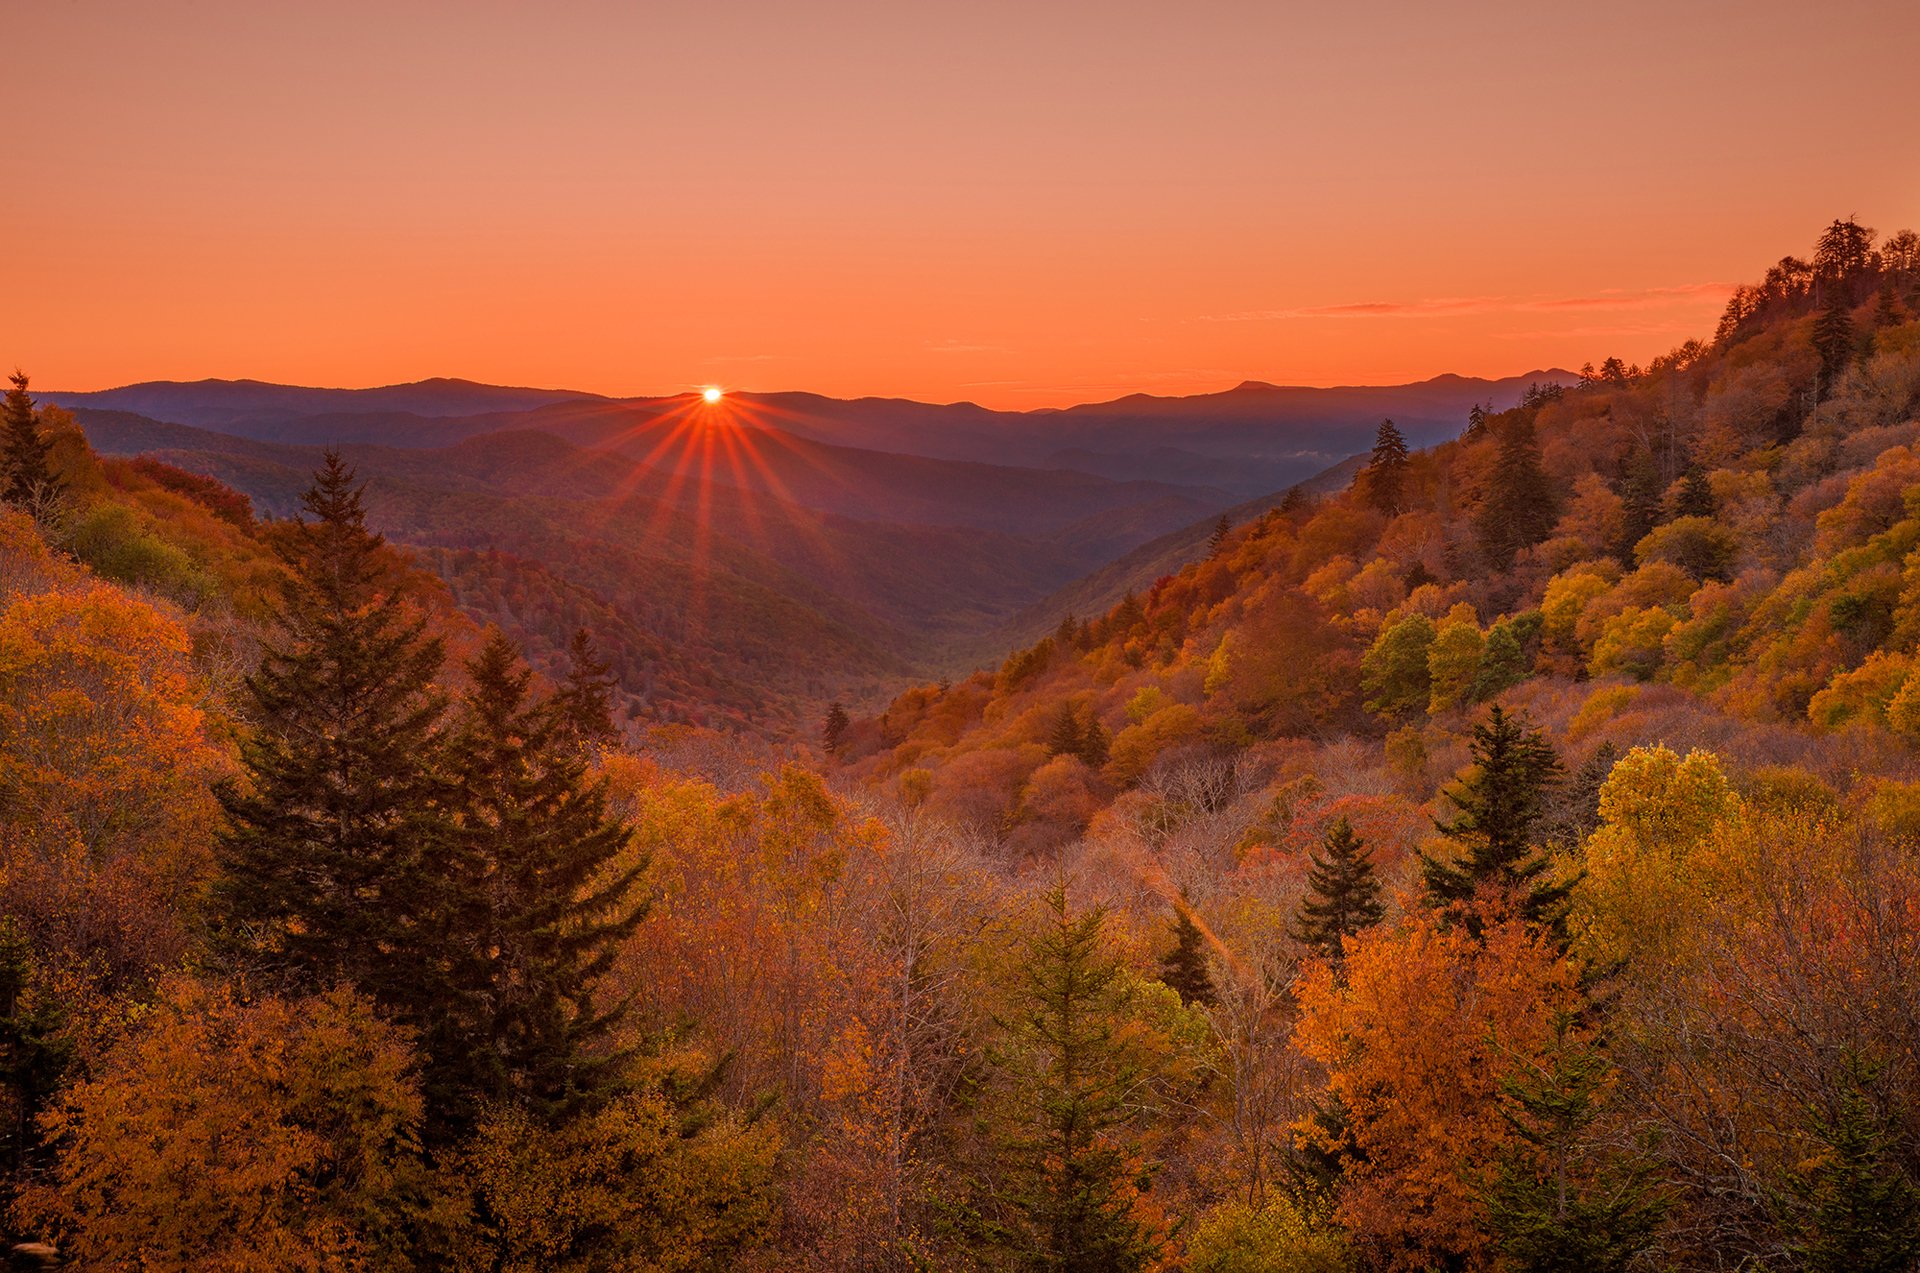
(711, 393)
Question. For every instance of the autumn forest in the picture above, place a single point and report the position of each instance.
(1499, 851)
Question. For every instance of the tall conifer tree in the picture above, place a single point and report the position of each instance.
(1387, 470)
(26, 454)
(1069, 1172)
(1520, 507)
(543, 898)
(334, 848)
(1343, 896)
(1500, 805)
(584, 703)
(1185, 966)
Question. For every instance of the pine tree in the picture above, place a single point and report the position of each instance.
(1500, 803)
(1185, 966)
(1695, 496)
(35, 1050)
(1094, 742)
(1217, 541)
(26, 454)
(1343, 897)
(1558, 1204)
(834, 729)
(584, 702)
(543, 900)
(1387, 470)
(1833, 340)
(1887, 311)
(334, 846)
(1520, 508)
(1640, 503)
(1476, 422)
(1068, 739)
(1069, 1175)
(1859, 1210)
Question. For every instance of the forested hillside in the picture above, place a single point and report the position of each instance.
(1508, 860)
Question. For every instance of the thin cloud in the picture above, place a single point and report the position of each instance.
(1645, 298)
(962, 347)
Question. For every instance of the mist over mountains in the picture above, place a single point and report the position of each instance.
(900, 535)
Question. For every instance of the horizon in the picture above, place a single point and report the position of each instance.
(1014, 208)
(730, 391)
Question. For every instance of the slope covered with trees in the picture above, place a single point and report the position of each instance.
(1505, 862)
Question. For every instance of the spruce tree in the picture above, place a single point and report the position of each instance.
(1858, 1210)
(1343, 896)
(584, 702)
(1217, 541)
(1833, 340)
(26, 454)
(1068, 1172)
(1476, 422)
(834, 728)
(1500, 803)
(1640, 503)
(1184, 968)
(1558, 1203)
(1695, 496)
(333, 852)
(1387, 470)
(1068, 739)
(35, 1050)
(1520, 508)
(1094, 742)
(543, 900)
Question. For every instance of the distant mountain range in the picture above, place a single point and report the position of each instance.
(705, 542)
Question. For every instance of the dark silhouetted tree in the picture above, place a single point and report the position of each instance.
(1387, 470)
(1218, 540)
(35, 1050)
(1185, 966)
(1694, 498)
(834, 729)
(1343, 896)
(335, 840)
(26, 454)
(544, 900)
(1833, 340)
(584, 703)
(1520, 507)
(1499, 805)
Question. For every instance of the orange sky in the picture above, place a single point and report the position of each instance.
(1017, 203)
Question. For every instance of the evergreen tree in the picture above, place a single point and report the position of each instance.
(35, 1050)
(584, 704)
(1218, 540)
(1640, 503)
(1887, 311)
(1695, 496)
(1387, 470)
(26, 454)
(1343, 897)
(1067, 635)
(1833, 340)
(1094, 742)
(334, 849)
(834, 729)
(1557, 1204)
(1185, 966)
(1520, 508)
(1859, 1210)
(1295, 501)
(543, 901)
(1069, 1175)
(1499, 803)
(1068, 738)
(1476, 423)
